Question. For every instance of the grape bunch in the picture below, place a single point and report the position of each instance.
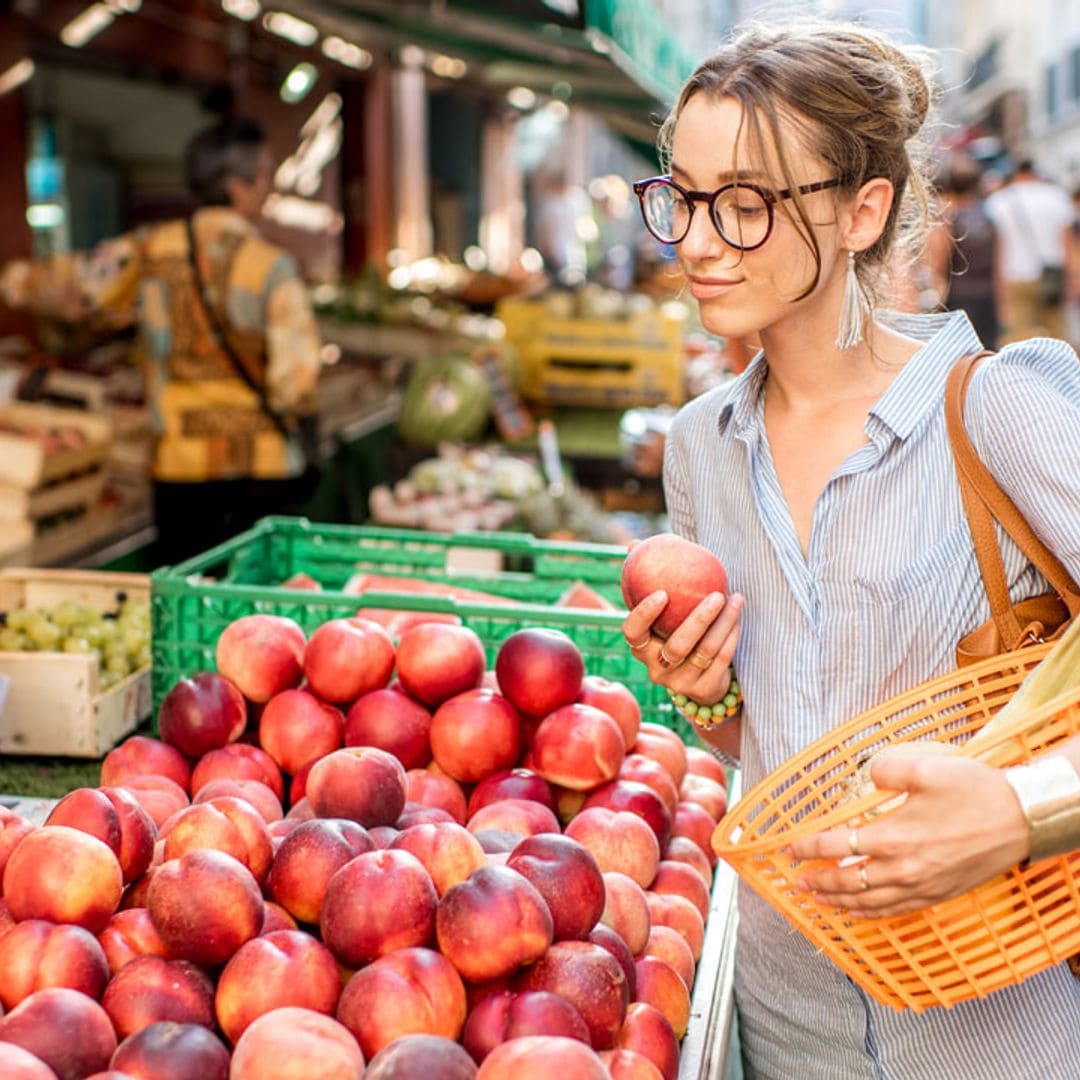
(120, 637)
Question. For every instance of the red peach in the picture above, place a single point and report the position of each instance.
(382, 836)
(261, 799)
(638, 799)
(697, 824)
(13, 827)
(437, 661)
(626, 910)
(660, 985)
(19, 1064)
(607, 939)
(158, 795)
(415, 814)
(346, 658)
(492, 923)
(152, 988)
(356, 921)
(36, 1023)
(392, 722)
(568, 803)
(521, 816)
(670, 946)
(436, 790)
(421, 1056)
(475, 734)
(237, 761)
(171, 1051)
(205, 905)
(700, 762)
(35, 954)
(541, 1057)
(225, 824)
(682, 880)
(577, 746)
(139, 755)
(663, 746)
(202, 713)
(629, 1065)
(686, 571)
(296, 728)
(591, 979)
(618, 840)
(449, 852)
(667, 909)
(283, 968)
(504, 1015)
(511, 784)
(301, 810)
(567, 877)
(408, 991)
(647, 1031)
(707, 793)
(539, 670)
(683, 849)
(293, 1043)
(261, 655)
(275, 918)
(308, 858)
(648, 771)
(617, 700)
(130, 934)
(361, 783)
(497, 842)
(63, 875)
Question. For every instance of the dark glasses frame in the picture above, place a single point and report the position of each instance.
(768, 196)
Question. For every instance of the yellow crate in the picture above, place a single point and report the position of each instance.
(606, 363)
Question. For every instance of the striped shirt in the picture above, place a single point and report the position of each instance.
(887, 587)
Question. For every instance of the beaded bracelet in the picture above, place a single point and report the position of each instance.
(708, 717)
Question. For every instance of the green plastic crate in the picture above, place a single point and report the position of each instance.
(192, 602)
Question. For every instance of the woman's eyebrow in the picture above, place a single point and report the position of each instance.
(725, 176)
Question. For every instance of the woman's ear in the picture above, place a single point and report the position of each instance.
(867, 213)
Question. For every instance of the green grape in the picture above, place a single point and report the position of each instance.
(41, 633)
(143, 657)
(108, 678)
(93, 633)
(11, 640)
(19, 618)
(77, 645)
(66, 614)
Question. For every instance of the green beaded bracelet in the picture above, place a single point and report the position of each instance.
(712, 716)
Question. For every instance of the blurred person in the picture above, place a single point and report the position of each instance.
(1034, 220)
(561, 210)
(227, 338)
(1072, 279)
(964, 257)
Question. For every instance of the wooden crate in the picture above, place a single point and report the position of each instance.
(53, 702)
(33, 504)
(26, 462)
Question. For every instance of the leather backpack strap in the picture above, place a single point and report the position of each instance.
(984, 500)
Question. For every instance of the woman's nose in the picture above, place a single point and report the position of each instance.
(701, 238)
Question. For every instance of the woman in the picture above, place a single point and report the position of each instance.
(822, 478)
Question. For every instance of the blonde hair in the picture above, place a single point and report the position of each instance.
(861, 103)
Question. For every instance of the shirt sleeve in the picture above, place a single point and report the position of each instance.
(680, 508)
(1023, 414)
(292, 343)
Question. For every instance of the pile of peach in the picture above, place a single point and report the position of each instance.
(501, 874)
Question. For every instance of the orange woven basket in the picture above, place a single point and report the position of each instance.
(995, 935)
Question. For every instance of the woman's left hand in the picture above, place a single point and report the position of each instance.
(960, 825)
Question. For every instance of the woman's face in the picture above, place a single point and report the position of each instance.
(743, 292)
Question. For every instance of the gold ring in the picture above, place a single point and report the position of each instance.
(641, 644)
(666, 661)
(700, 660)
(853, 841)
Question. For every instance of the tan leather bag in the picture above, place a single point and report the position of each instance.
(1012, 626)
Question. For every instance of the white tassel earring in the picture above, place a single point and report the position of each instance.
(849, 333)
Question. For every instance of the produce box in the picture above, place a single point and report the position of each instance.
(191, 603)
(54, 702)
(40, 444)
(606, 363)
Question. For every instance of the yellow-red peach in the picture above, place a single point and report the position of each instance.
(416, 814)
(521, 816)
(393, 722)
(436, 790)
(512, 784)
(346, 658)
(649, 771)
(567, 877)
(662, 745)
(19, 1064)
(706, 793)
(669, 909)
(492, 923)
(670, 946)
(626, 910)
(449, 852)
(617, 700)
(591, 979)
(238, 761)
(578, 747)
(35, 954)
(296, 729)
(130, 934)
(421, 1056)
(283, 968)
(700, 762)
(255, 792)
(261, 654)
(152, 988)
(293, 1043)
(170, 1051)
(205, 905)
(140, 755)
(158, 795)
(683, 849)
(679, 879)
(697, 824)
(541, 1057)
(408, 991)
(225, 824)
(63, 875)
(618, 840)
(13, 827)
(475, 734)
(506, 1015)
(629, 1065)
(660, 985)
(69, 1031)
(362, 783)
(356, 921)
(308, 858)
(606, 938)
(646, 1030)
(637, 798)
(275, 917)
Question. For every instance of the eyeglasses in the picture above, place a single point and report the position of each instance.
(741, 212)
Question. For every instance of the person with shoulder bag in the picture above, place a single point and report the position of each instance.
(824, 479)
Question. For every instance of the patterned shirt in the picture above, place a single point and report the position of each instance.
(887, 587)
(210, 424)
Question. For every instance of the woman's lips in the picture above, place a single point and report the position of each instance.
(703, 288)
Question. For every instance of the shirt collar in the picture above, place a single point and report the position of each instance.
(916, 389)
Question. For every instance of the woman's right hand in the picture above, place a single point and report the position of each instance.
(695, 659)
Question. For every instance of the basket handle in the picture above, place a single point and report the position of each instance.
(985, 501)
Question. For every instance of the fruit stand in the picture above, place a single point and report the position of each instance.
(521, 791)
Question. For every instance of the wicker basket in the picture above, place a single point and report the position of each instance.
(995, 935)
